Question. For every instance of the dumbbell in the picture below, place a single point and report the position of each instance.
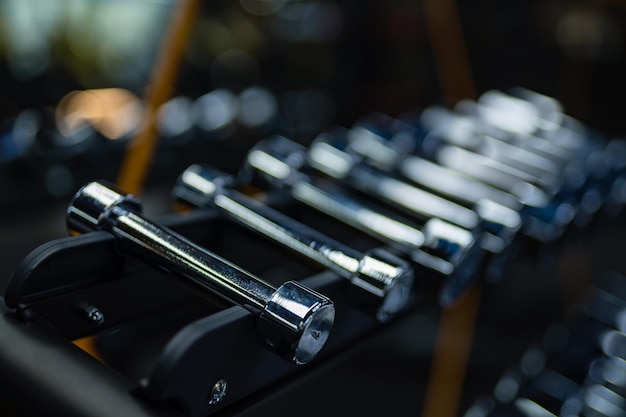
(609, 371)
(499, 116)
(381, 279)
(331, 153)
(602, 158)
(293, 320)
(452, 139)
(593, 357)
(437, 247)
(395, 146)
(582, 371)
(579, 153)
(355, 171)
(551, 122)
(458, 141)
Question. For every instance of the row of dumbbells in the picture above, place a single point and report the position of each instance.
(451, 190)
(577, 369)
(445, 194)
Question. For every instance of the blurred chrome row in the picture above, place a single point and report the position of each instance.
(578, 368)
(51, 151)
(439, 198)
(454, 191)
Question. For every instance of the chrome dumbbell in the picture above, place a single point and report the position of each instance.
(398, 149)
(383, 280)
(505, 131)
(454, 141)
(457, 142)
(331, 153)
(437, 247)
(542, 129)
(499, 128)
(599, 160)
(548, 120)
(294, 321)
(389, 185)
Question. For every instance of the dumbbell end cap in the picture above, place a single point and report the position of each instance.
(387, 282)
(296, 322)
(276, 160)
(91, 206)
(198, 185)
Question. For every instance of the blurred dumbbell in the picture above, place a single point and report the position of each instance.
(580, 154)
(393, 145)
(331, 154)
(458, 141)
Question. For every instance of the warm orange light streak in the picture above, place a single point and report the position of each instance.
(114, 112)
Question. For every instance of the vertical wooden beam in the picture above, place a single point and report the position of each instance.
(445, 31)
(452, 350)
(140, 149)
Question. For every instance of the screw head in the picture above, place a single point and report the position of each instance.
(94, 315)
(217, 392)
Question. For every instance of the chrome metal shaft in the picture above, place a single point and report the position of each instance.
(295, 321)
(385, 279)
(542, 217)
(438, 246)
(329, 147)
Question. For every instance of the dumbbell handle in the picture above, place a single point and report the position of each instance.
(326, 149)
(295, 320)
(386, 280)
(268, 160)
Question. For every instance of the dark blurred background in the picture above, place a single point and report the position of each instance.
(74, 73)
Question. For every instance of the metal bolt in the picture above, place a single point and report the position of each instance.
(94, 315)
(217, 392)
(288, 314)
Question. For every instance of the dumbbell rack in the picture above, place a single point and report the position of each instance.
(190, 343)
(166, 350)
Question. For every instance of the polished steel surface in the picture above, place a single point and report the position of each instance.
(295, 320)
(524, 206)
(487, 203)
(385, 278)
(327, 148)
(437, 246)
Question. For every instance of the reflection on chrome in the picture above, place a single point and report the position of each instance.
(268, 164)
(425, 203)
(344, 208)
(485, 169)
(330, 160)
(373, 148)
(453, 183)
